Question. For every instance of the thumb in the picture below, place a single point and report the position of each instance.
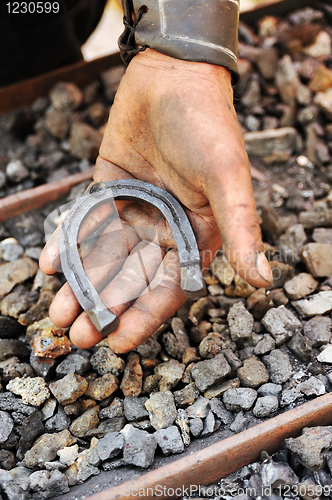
(230, 193)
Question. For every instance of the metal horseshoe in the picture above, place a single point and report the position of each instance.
(192, 282)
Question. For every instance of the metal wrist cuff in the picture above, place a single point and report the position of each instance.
(191, 30)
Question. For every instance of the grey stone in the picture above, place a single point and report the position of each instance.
(287, 80)
(318, 330)
(132, 380)
(74, 363)
(102, 387)
(12, 368)
(68, 455)
(149, 349)
(57, 123)
(110, 446)
(115, 424)
(232, 359)
(266, 142)
(196, 426)
(289, 396)
(34, 252)
(7, 460)
(162, 410)
(269, 389)
(316, 217)
(44, 367)
(176, 342)
(14, 273)
(291, 243)
(88, 420)
(211, 424)
(198, 310)
(54, 483)
(211, 345)
(300, 346)
(84, 141)
(281, 323)
(240, 322)
(182, 422)
(300, 286)
(45, 449)
(278, 475)
(151, 383)
(279, 366)
(218, 408)
(12, 347)
(14, 492)
(253, 373)
(322, 235)
(200, 408)
(11, 250)
(5, 477)
(21, 477)
(252, 94)
(209, 372)
(49, 408)
(9, 328)
(6, 426)
(312, 387)
(317, 258)
(319, 303)
(139, 447)
(69, 388)
(106, 361)
(239, 423)
(169, 440)
(144, 425)
(171, 373)
(264, 346)
(186, 396)
(16, 171)
(134, 408)
(66, 96)
(326, 355)
(218, 389)
(8, 402)
(32, 389)
(2, 180)
(265, 406)
(82, 469)
(39, 480)
(310, 447)
(239, 399)
(58, 422)
(115, 409)
(281, 274)
(31, 429)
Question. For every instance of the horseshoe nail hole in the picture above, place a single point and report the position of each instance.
(98, 188)
(144, 9)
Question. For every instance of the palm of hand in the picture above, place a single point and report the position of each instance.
(172, 124)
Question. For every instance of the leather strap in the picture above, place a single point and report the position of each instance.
(192, 30)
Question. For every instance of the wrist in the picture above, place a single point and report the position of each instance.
(159, 61)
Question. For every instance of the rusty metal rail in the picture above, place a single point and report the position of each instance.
(18, 203)
(25, 92)
(221, 459)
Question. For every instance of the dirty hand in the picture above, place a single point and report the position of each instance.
(172, 124)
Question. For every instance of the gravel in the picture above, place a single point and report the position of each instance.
(225, 361)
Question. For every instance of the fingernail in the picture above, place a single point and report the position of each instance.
(263, 267)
